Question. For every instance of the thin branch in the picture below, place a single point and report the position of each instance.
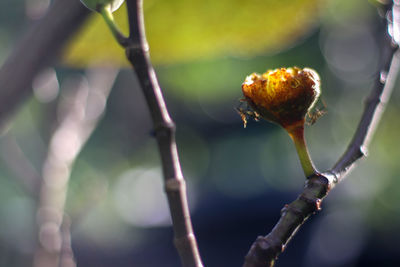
(266, 249)
(374, 105)
(374, 108)
(108, 17)
(138, 55)
(37, 50)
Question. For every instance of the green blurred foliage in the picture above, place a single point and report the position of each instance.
(181, 30)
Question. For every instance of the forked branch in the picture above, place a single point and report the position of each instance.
(266, 249)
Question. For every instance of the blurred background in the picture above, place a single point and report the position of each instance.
(83, 141)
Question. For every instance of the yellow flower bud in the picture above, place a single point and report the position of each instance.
(283, 96)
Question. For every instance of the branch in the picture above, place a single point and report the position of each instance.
(67, 258)
(164, 127)
(37, 50)
(266, 249)
(374, 107)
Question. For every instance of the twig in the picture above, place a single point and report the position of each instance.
(164, 127)
(266, 249)
(38, 48)
(82, 113)
(374, 108)
(108, 17)
(375, 103)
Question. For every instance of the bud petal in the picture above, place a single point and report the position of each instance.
(283, 96)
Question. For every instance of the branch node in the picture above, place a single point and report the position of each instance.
(164, 128)
(132, 48)
(182, 242)
(332, 178)
(263, 250)
(319, 186)
(174, 185)
(314, 203)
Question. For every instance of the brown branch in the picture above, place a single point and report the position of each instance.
(138, 55)
(266, 249)
(37, 50)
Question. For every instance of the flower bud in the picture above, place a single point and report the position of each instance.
(283, 96)
(96, 5)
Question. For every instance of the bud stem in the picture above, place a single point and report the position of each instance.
(108, 17)
(297, 134)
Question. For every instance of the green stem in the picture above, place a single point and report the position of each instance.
(108, 17)
(297, 135)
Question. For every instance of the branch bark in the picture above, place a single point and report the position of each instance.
(137, 51)
(37, 50)
(375, 103)
(265, 250)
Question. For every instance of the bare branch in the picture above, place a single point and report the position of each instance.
(374, 108)
(376, 101)
(138, 55)
(37, 50)
(266, 249)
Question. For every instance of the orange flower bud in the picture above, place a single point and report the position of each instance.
(283, 96)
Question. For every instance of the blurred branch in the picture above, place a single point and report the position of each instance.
(66, 253)
(138, 54)
(20, 165)
(79, 115)
(37, 50)
(266, 249)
